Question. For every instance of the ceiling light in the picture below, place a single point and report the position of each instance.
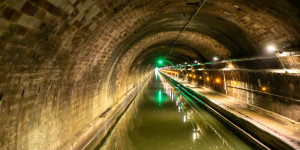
(160, 62)
(271, 48)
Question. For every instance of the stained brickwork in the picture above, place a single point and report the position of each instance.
(64, 62)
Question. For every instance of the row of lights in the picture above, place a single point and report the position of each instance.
(217, 80)
(270, 48)
(214, 59)
(263, 88)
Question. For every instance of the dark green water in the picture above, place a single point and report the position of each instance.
(160, 118)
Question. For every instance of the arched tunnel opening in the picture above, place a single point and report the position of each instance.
(144, 74)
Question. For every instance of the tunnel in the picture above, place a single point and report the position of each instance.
(73, 71)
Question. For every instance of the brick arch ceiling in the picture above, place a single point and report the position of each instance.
(92, 33)
(227, 29)
(77, 51)
(239, 27)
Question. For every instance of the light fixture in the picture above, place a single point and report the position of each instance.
(200, 77)
(194, 76)
(234, 83)
(271, 48)
(264, 88)
(218, 80)
(196, 61)
(207, 79)
(215, 58)
(160, 62)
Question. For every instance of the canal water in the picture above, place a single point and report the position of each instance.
(160, 118)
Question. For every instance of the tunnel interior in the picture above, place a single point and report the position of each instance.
(65, 63)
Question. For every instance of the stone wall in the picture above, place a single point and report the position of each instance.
(64, 62)
(274, 91)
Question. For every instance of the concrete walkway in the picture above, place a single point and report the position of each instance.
(280, 127)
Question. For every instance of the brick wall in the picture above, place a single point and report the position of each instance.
(64, 62)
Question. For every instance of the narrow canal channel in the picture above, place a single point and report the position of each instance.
(160, 118)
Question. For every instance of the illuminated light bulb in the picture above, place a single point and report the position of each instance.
(215, 58)
(184, 118)
(194, 76)
(207, 79)
(160, 62)
(271, 48)
(234, 83)
(218, 80)
(264, 88)
(200, 77)
(191, 75)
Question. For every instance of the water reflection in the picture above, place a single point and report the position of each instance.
(160, 98)
(169, 120)
(156, 74)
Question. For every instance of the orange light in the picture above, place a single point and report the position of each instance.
(218, 80)
(264, 88)
(234, 83)
(200, 77)
(194, 76)
(207, 79)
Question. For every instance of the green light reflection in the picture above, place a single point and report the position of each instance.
(159, 97)
(156, 74)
